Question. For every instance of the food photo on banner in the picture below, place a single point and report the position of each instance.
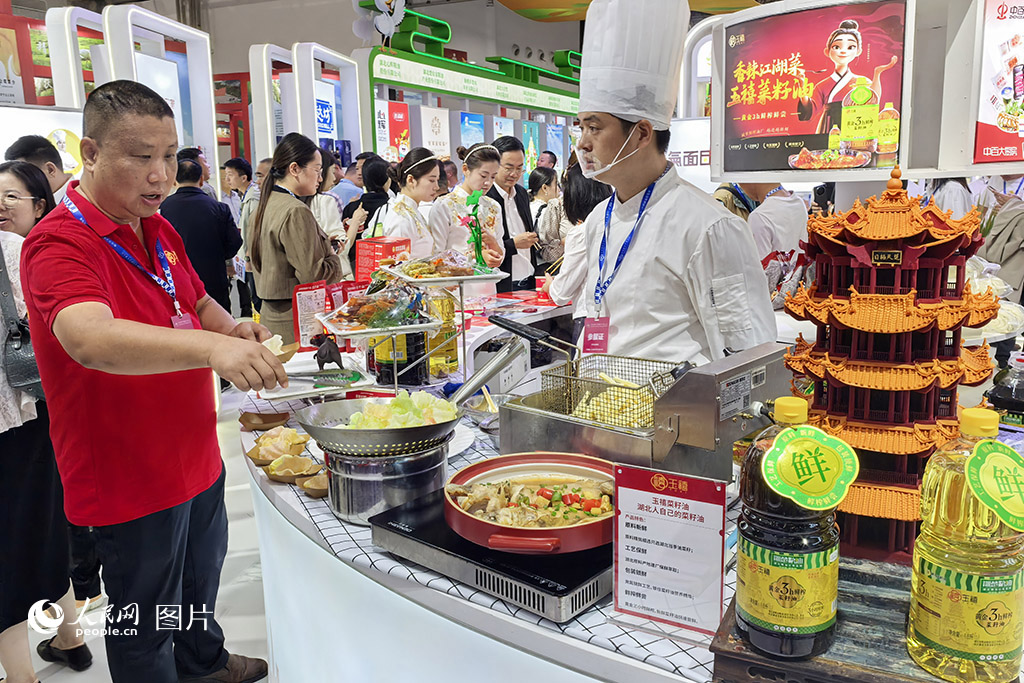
(1001, 96)
(815, 89)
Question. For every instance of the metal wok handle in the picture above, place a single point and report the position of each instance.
(506, 355)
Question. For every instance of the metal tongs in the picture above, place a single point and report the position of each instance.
(532, 334)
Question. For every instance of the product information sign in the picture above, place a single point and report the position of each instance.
(812, 89)
(998, 132)
(669, 547)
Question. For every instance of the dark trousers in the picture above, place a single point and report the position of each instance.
(250, 280)
(170, 559)
(244, 298)
(85, 565)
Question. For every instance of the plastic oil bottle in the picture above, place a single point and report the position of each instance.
(966, 596)
(888, 130)
(859, 124)
(788, 559)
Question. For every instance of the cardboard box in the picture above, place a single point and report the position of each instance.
(370, 252)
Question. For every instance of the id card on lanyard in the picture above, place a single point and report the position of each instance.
(180, 320)
(596, 331)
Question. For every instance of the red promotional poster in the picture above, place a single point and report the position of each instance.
(998, 135)
(815, 89)
(398, 129)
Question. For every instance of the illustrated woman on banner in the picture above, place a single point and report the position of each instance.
(826, 102)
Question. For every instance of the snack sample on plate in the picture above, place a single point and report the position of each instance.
(449, 263)
(317, 482)
(405, 410)
(277, 442)
(536, 501)
(293, 465)
(396, 305)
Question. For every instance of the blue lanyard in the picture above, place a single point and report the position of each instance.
(1017, 191)
(167, 284)
(602, 284)
(748, 203)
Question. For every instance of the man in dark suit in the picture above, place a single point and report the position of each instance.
(207, 229)
(520, 257)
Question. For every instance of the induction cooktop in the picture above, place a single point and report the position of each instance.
(558, 587)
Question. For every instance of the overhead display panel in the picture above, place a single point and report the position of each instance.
(812, 89)
(998, 132)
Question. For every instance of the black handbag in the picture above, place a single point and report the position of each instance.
(19, 361)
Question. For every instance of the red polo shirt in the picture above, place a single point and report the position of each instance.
(126, 446)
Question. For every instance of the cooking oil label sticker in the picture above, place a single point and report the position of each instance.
(967, 616)
(995, 474)
(809, 467)
(787, 592)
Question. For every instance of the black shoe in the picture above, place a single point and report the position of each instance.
(79, 658)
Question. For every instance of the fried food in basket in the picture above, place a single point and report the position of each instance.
(277, 442)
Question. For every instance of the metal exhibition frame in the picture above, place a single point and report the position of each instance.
(688, 92)
(718, 96)
(123, 24)
(261, 80)
(304, 60)
(62, 25)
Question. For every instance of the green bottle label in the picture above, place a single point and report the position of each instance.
(860, 122)
(809, 467)
(995, 474)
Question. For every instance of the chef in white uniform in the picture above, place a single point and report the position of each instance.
(671, 274)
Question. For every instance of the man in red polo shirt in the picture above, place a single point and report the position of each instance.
(125, 337)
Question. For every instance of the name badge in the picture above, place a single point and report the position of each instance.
(595, 335)
(182, 322)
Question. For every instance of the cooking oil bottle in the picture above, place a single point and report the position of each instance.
(859, 121)
(792, 479)
(966, 597)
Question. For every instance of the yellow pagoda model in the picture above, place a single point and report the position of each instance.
(889, 300)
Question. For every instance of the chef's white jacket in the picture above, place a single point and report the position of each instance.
(690, 286)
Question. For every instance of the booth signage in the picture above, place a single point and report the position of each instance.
(669, 531)
(999, 135)
(408, 72)
(791, 91)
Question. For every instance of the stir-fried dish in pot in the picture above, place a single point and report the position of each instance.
(536, 501)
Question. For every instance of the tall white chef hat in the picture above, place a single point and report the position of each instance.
(632, 57)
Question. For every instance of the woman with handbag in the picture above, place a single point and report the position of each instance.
(33, 528)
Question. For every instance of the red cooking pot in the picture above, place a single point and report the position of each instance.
(531, 541)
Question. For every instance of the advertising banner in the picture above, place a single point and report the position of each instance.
(435, 130)
(398, 132)
(12, 90)
(531, 141)
(556, 143)
(471, 127)
(503, 126)
(812, 89)
(326, 110)
(998, 130)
